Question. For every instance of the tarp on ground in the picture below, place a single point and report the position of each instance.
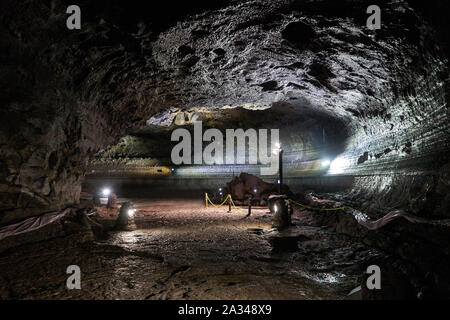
(31, 224)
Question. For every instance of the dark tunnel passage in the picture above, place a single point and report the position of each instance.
(363, 120)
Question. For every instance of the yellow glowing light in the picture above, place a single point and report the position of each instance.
(160, 171)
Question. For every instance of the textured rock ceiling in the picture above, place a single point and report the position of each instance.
(67, 94)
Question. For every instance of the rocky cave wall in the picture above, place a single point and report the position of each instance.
(67, 94)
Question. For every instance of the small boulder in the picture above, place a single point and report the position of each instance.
(247, 186)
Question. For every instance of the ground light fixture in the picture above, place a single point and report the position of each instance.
(106, 192)
(125, 220)
(131, 212)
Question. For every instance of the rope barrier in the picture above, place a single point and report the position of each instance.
(233, 205)
(217, 205)
(360, 217)
(223, 203)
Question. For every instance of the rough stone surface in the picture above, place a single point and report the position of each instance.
(380, 97)
(247, 186)
(70, 94)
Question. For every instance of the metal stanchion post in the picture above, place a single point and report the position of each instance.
(206, 200)
(229, 203)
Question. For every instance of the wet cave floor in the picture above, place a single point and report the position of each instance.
(181, 250)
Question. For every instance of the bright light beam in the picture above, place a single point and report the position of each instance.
(326, 163)
(337, 166)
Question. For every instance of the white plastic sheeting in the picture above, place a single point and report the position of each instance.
(31, 224)
(365, 221)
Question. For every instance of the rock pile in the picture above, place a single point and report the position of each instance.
(247, 186)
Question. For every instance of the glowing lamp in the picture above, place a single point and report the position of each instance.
(326, 163)
(106, 192)
(131, 212)
(338, 165)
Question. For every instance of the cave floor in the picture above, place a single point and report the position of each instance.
(181, 250)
